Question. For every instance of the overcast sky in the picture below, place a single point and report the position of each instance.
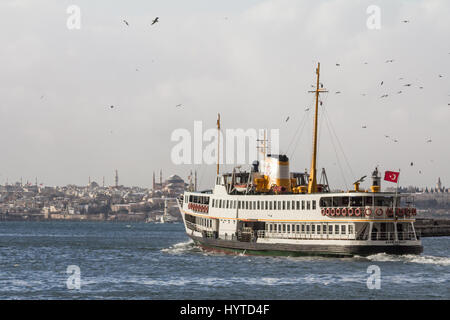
(253, 61)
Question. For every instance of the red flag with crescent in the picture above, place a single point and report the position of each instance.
(391, 176)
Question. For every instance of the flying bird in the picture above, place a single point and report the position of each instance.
(337, 92)
(389, 61)
(405, 21)
(306, 109)
(178, 105)
(440, 76)
(364, 127)
(384, 96)
(429, 140)
(399, 92)
(112, 107)
(381, 83)
(155, 20)
(338, 64)
(412, 164)
(287, 119)
(126, 22)
(408, 85)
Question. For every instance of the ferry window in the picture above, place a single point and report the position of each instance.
(343, 229)
(356, 201)
(284, 227)
(239, 204)
(303, 204)
(335, 202)
(234, 202)
(279, 228)
(213, 203)
(383, 201)
(288, 228)
(303, 228)
(313, 228)
(342, 201)
(298, 228)
(318, 229)
(336, 229)
(270, 205)
(314, 204)
(350, 229)
(270, 227)
(275, 227)
(254, 205)
(324, 229)
(250, 205)
(288, 205)
(330, 229)
(368, 201)
(259, 205)
(220, 203)
(284, 205)
(325, 202)
(279, 205)
(308, 205)
(298, 205)
(307, 228)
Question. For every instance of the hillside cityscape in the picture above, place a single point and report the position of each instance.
(96, 202)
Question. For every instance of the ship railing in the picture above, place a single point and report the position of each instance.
(407, 235)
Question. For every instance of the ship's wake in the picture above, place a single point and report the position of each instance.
(182, 247)
(410, 258)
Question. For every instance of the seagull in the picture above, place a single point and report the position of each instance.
(126, 22)
(307, 109)
(384, 96)
(386, 136)
(399, 92)
(381, 83)
(337, 92)
(405, 21)
(287, 119)
(364, 127)
(363, 94)
(155, 20)
(338, 64)
(389, 61)
(178, 105)
(429, 140)
(42, 97)
(112, 107)
(440, 76)
(321, 102)
(412, 164)
(408, 85)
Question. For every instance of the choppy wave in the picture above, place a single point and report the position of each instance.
(410, 258)
(181, 247)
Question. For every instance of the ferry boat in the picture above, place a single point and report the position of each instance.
(272, 211)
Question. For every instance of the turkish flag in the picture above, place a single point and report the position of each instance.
(391, 176)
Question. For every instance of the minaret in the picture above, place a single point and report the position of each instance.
(160, 178)
(154, 182)
(117, 178)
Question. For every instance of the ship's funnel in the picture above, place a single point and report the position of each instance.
(276, 169)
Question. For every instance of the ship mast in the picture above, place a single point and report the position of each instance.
(218, 142)
(312, 184)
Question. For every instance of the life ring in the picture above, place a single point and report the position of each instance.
(332, 212)
(328, 211)
(389, 212)
(407, 212)
(323, 211)
(414, 211)
(344, 212)
(338, 211)
(350, 212)
(368, 212)
(400, 212)
(379, 212)
(357, 212)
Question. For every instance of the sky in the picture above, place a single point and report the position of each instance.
(251, 61)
